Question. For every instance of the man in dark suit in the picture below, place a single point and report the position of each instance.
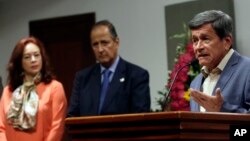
(224, 84)
(128, 84)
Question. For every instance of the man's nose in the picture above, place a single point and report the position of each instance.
(199, 45)
(100, 48)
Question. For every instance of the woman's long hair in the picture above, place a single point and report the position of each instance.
(15, 69)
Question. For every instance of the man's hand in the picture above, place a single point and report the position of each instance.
(210, 103)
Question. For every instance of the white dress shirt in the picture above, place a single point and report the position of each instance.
(213, 76)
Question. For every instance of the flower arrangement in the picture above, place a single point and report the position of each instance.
(179, 96)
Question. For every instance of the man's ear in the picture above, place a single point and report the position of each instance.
(117, 41)
(228, 42)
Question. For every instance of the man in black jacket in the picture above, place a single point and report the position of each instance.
(127, 84)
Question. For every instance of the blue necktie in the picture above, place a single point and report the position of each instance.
(105, 85)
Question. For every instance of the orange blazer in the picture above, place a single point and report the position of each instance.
(50, 116)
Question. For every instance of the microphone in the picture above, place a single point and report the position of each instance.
(167, 94)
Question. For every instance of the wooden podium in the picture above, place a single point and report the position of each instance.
(155, 126)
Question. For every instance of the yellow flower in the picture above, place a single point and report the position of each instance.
(187, 95)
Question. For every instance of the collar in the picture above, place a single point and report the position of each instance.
(220, 67)
(112, 68)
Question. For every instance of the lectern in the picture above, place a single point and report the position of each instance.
(178, 126)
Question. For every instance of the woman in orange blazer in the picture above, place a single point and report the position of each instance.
(33, 104)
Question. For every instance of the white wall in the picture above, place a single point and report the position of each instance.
(140, 25)
(242, 24)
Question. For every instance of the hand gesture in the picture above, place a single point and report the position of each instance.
(210, 103)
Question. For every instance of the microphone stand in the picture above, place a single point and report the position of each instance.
(167, 94)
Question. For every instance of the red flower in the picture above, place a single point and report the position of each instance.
(178, 102)
(184, 55)
(180, 105)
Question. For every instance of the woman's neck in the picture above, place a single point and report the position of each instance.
(31, 78)
(28, 78)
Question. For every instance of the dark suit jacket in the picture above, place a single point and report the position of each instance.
(234, 83)
(129, 96)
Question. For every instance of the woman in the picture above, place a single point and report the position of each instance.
(33, 104)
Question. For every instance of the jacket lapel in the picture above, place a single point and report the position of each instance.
(198, 86)
(227, 72)
(94, 89)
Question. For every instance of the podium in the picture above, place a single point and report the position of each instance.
(178, 126)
